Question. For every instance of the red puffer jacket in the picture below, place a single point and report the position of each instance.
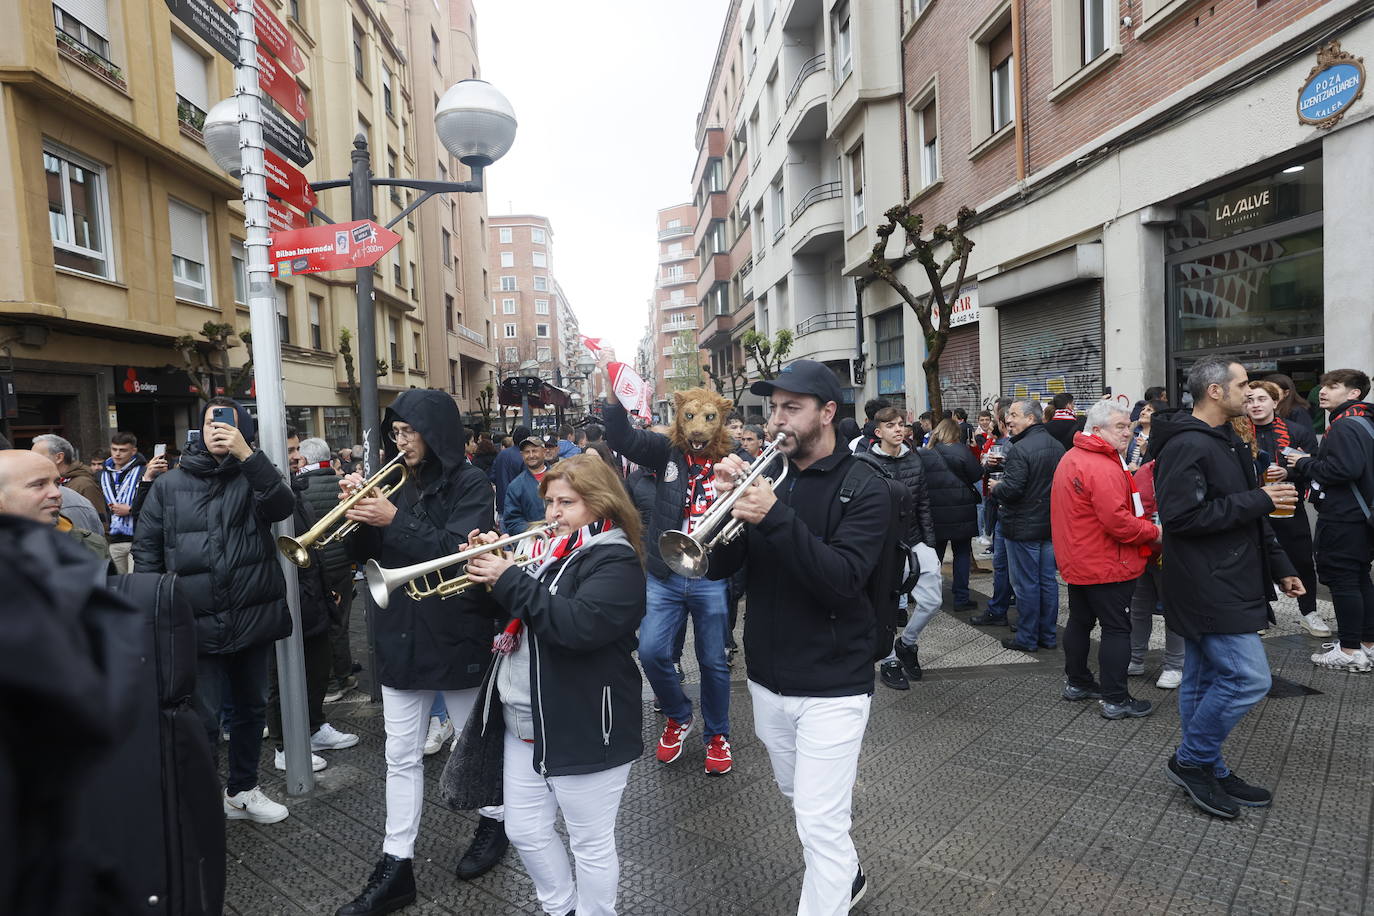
(1098, 538)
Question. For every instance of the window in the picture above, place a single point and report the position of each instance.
(541, 306)
(77, 213)
(507, 259)
(541, 284)
(193, 94)
(538, 237)
(190, 273)
(507, 306)
(999, 61)
(856, 187)
(510, 332)
(316, 328)
(512, 354)
(543, 354)
(842, 40)
(1094, 17)
(282, 294)
(715, 237)
(540, 259)
(541, 330)
(414, 282)
(1086, 32)
(434, 46)
(416, 353)
(992, 83)
(85, 23)
(386, 92)
(448, 312)
(779, 214)
(928, 144)
(446, 247)
(505, 234)
(507, 284)
(358, 69)
(295, 7)
(238, 259)
(453, 376)
(365, 129)
(392, 162)
(393, 334)
(889, 355)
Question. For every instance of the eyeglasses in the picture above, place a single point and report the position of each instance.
(396, 435)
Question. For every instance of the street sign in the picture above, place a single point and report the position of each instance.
(211, 23)
(288, 183)
(283, 219)
(281, 85)
(272, 32)
(340, 246)
(284, 136)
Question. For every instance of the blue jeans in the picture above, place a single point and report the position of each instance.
(963, 564)
(439, 709)
(1224, 675)
(1001, 575)
(669, 602)
(1037, 591)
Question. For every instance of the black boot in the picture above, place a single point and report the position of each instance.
(488, 846)
(907, 656)
(391, 887)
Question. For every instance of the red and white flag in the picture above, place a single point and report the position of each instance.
(593, 344)
(631, 390)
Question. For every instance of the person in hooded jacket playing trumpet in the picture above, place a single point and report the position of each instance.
(568, 684)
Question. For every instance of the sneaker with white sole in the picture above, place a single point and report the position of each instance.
(1169, 679)
(439, 732)
(317, 762)
(1337, 660)
(1314, 625)
(1135, 669)
(253, 806)
(329, 738)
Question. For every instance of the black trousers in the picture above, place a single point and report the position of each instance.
(242, 676)
(1343, 557)
(1295, 537)
(341, 654)
(1109, 605)
(317, 651)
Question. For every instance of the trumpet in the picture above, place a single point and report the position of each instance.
(688, 554)
(297, 549)
(382, 581)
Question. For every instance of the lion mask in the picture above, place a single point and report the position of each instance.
(699, 423)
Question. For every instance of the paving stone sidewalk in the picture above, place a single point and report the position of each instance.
(979, 791)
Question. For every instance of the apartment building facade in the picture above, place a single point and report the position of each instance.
(533, 322)
(674, 361)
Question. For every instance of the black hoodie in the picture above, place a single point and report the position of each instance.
(1346, 457)
(1220, 556)
(432, 644)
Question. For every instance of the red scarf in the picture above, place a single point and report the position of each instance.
(701, 489)
(508, 640)
(1064, 413)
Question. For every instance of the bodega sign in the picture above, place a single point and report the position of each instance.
(1334, 85)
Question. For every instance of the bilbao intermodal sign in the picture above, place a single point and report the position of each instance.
(340, 246)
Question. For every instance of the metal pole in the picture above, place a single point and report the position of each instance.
(360, 185)
(525, 409)
(262, 308)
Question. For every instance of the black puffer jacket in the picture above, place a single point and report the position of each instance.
(433, 644)
(210, 523)
(1220, 556)
(1345, 457)
(320, 489)
(951, 472)
(585, 688)
(1023, 494)
(317, 605)
(907, 467)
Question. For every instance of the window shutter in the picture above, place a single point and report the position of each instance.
(188, 68)
(999, 49)
(91, 13)
(928, 122)
(188, 231)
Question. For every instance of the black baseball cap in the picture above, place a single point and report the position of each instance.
(803, 376)
(550, 442)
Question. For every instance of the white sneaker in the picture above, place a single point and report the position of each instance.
(1314, 625)
(329, 738)
(1169, 679)
(317, 762)
(254, 806)
(439, 732)
(984, 540)
(1336, 659)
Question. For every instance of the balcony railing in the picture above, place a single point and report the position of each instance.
(673, 327)
(73, 47)
(676, 303)
(672, 256)
(475, 336)
(677, 279)
(827, 191)
(826, 321)
(674, 232)
(747, 266)
(814, 65)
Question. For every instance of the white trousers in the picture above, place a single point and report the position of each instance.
(589, 803)
(814, 745)
(406, 713)
(928, 593)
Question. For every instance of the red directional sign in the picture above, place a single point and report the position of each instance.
(288, 183)
(272, 32)
(280, 85)
(283, 219)
(336, 247)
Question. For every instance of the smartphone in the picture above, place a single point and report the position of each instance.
(222, 415)
(192, 435)
(159, 450)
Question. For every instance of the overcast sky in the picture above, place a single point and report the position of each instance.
(607, 94)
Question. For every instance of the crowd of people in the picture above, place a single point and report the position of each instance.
(1196, 514)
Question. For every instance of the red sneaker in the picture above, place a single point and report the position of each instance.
(670, 743)
(718, 759)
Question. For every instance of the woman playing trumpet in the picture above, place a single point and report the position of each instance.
(568, 684)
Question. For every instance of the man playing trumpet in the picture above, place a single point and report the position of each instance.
(424, 645)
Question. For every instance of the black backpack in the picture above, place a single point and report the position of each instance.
(1367, 425)
(886, 584)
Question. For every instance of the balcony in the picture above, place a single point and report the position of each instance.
(818, 219)
(674, 232)
(673, 257)
(828, 335)
(677, 303)
(812, 66)
(677, 279)
(673, 327)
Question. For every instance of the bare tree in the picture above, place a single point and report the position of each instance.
(208, 359)
(768, 355)
(946, 247)
(735, 377)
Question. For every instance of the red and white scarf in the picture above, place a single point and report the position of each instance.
(546, 552)
(701, 489)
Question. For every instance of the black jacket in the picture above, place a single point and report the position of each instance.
(1063, 430)
(317, 605)
(643, 487)
(653, 451)
(320, 489)
(810, 627)
(908, 468)
(210, 523)
(435, 643)
(1220, 556)
(585, 688)
(1023, 494)
(1346, 455)
(1299, 436)
(951, 472)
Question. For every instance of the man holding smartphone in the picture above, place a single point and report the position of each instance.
(209, 521)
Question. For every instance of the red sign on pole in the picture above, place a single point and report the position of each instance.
(340, 246)
(288, 183)
(283, 219)
(280, 85)
(272, 32)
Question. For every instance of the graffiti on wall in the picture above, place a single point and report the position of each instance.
(1047, 365)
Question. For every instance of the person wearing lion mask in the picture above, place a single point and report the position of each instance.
(683, 462)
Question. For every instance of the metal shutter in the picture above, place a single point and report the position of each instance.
(1053, 343)
(960, 385)
(188, 69)
(90, 13)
